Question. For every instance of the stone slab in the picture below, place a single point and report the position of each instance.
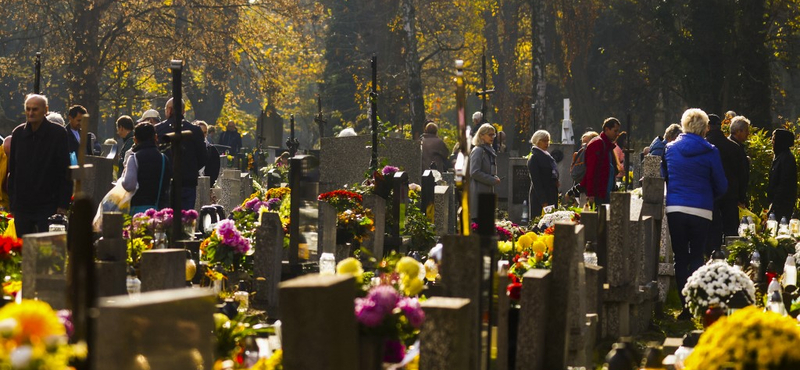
(444, 337)
(461, 271)
(441, 203)
(44, 262)
(163, 269)
(617, 272)
(267, 260)
(375, 241)
(112, 278)
(532, 335)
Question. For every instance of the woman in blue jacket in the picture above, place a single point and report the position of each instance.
(693, 172)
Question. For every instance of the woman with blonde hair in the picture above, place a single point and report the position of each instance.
(482, 167)
(543, 173)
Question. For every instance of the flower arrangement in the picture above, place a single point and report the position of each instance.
(147, 222)
(10, 257)
(33, 337)
(188, 216)
(771, 250)
(421, 230)
(714, 284)
(748, 339)
(247, 214)
(225, 246)
(529, 251)
(353, 221)
(342, 200)
(386, 314)
(230, 334)
(549, 219)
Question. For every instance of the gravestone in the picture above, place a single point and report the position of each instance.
(518, 188)
(564, 152)
(428, 186)
(161, 330)
(267, 261)
(532, 333)
(326, 228)
(501, 190)
(504, 361)
(374, 242)
(203, 193)
(620, 290)
(444, 337)
(568, 322)
(111, 256)
(461, 271)
(230, 183)
(163, 269)
(318, 315)
(448, 178)
(44, 258)
(101, 180)
(304, 213)
(442, 203)
(336, 172)
(399, 204)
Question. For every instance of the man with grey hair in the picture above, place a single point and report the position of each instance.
(726, 210)
(38, 169)
(740, 130)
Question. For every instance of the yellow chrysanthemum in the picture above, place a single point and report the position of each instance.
(408, 266)
(532, 235)
(504, 247)
(538, 246)
(524, 242)
(350, 266)
(548, 241)
(35, 321)
(412, 286)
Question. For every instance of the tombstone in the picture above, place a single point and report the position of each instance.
(562, 153)
(111, 257)
(163, 269)
(444, 337)
(620, 290)
(399, 203)
(374, 242)
(428, 186)
(326, 228)
(44, 258)
(335, 172)
(161, 330)
(101, 180)
(518, 188)
(274, 179)
(203, 193)
(501, 190)
(461, 270)
(568, 322)
(452, 217)
(442, 204)
(230, 182)
(534, 308)
(318, 316)
(267, 262)
(304, 213)
(505, 354)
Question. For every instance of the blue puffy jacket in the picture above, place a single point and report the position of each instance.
(693, 171)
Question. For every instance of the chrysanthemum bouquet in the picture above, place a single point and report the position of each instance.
(352, 220)
(550, 219)
(225, 246)
(386, 314)
(714, 284)
(33, 337)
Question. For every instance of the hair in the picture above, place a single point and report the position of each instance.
(431, 128)
(144, 131)
(55, 117)
(739, 123)
(169, 105)
(125, 122)
(539, 136)
(75, 110)
(694, 121)
(347, 131)
(476, 140)
(672, 132)
(621, 138)
(730, 114)
(610, 123)
(201, 123)
(477, 116)
(589, 135)
(110, 141)
(37, 96)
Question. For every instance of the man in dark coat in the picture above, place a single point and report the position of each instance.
(726, 208)
(125, 132)
(231, 138)
(75, 115)
(434, 150)
(193, 155)
(740, 130)
(782, 188)
(38, 169)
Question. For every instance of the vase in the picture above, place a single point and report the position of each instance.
(712, 314)
(189, 228)
(371, 350)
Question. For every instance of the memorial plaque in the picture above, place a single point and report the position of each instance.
(521, 183)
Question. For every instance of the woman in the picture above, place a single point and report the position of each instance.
(619, 154)
(482, 167)
(692, 170)
(146, 167)
(543, 173)
(782, 188)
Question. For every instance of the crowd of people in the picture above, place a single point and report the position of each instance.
(39, 152)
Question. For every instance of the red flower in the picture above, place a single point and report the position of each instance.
(514, 290)
(550, 230)
(513, 278)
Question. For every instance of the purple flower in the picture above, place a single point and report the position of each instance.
(394, 351)
(187, 216)
(150, 212)
(252, 203)
(389, 170)
(65, 317)
(273, 204)
(385, 297)
(237, 209)
(368, 313)
(413, 311)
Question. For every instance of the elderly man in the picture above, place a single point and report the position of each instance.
(599, 158)
(231, 138)
(726, 208)
(38, 177)
(193, 154)
(740, 130)
(151, 116)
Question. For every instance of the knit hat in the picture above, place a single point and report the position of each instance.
(714, 120)
(150, 113)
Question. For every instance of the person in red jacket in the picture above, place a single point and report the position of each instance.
(599, 178)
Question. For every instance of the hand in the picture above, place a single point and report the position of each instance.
(496, 180)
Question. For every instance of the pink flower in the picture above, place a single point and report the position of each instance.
(368, 313)
(413, 311)
(394, 351)
(389, 170)
(385, 297)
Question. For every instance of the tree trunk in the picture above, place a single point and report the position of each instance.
(84, 72)
(416, 99)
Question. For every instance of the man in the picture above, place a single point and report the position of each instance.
(434, 150)
(599, 178)
(725, 220)
(740, 130)
(74, 116)
(151, 116)
(193, 154)
(125, 132)
(477, 121)
(231, 138)
(38, 177)
(212, 164)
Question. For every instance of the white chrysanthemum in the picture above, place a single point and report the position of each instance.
(715, 283)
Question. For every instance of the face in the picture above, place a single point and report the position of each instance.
(35, 110)
(75, 122)
(119, 131)
(742, 135)
(488, 137)
(612, 133)
(543, 144)
(231, 126)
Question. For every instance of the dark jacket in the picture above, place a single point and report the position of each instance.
(693, 172)
(544, 180)
(92, 146)
(38, 169)
(730, 153)
(434, 151)
(782, 188)
(482, 172)
(744, 180)
(148, 175)
(657, 146)
(125, 145)
(231, 139)
(193, 155)
(598, 157)
(212, 164)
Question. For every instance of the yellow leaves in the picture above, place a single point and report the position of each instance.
(167, 2)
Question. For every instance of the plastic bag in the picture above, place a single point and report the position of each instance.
(116, 200)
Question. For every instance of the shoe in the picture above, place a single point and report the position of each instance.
(685, 315)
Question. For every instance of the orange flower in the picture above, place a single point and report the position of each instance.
(35, 321)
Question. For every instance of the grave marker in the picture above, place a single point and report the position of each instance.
(444, 338)
(44, 262)
(267, 262)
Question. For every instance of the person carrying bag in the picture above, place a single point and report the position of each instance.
(146, 171)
